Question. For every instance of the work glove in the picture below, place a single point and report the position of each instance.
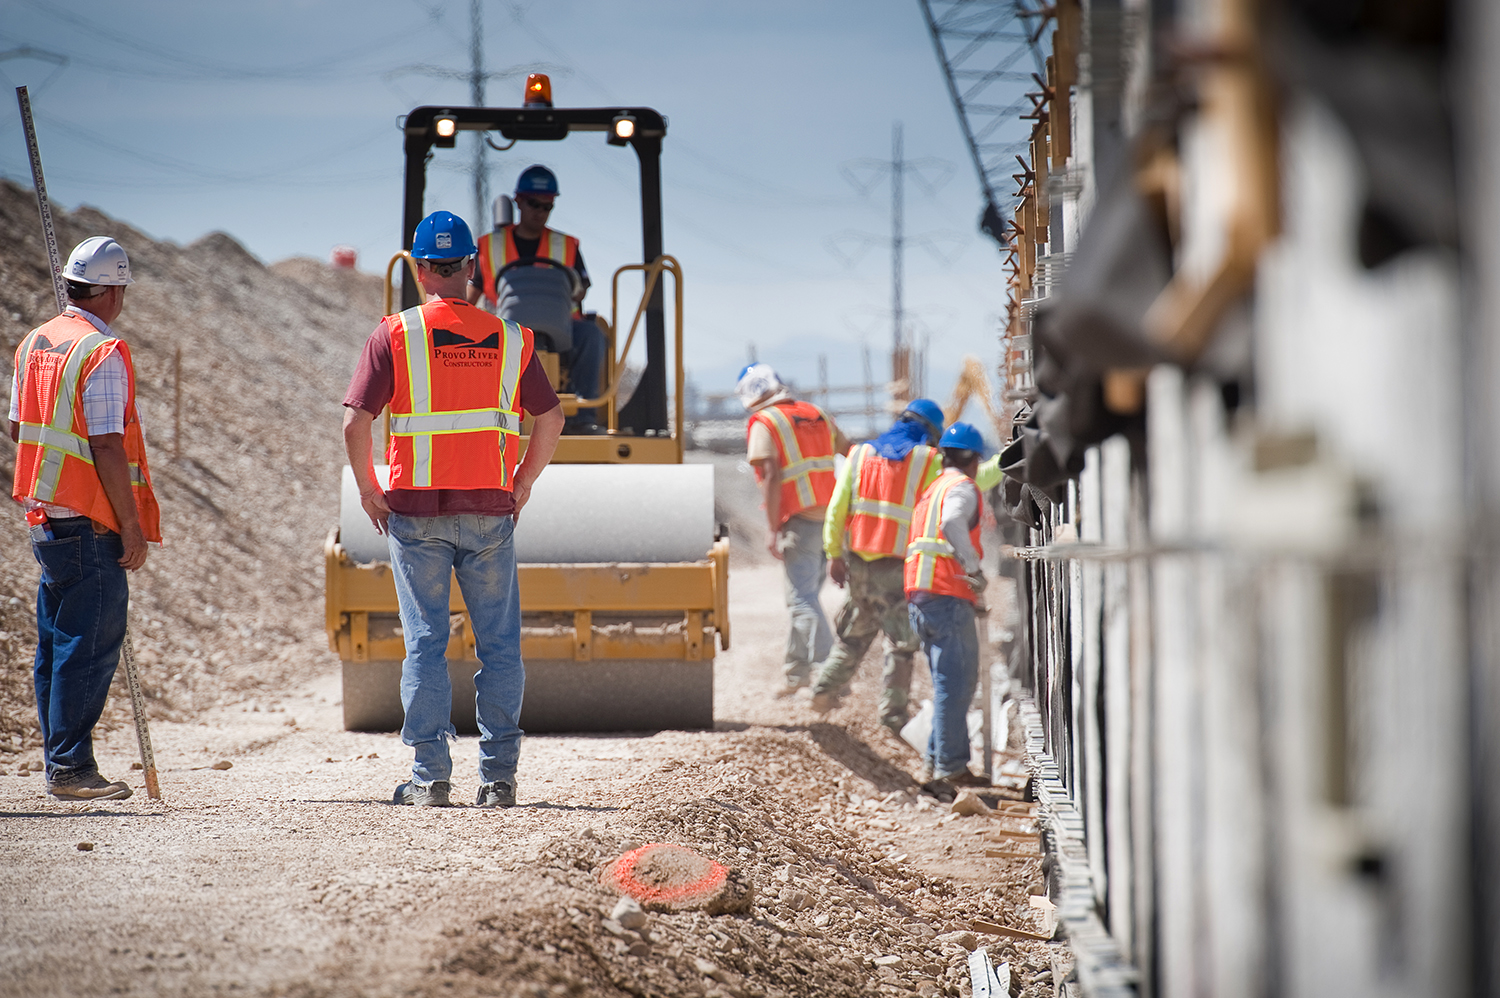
(977, 582)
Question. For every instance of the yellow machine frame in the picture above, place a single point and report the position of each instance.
(699, 591)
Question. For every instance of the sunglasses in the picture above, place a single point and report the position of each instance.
(539, 205)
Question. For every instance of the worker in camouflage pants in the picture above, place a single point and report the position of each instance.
(865, 535)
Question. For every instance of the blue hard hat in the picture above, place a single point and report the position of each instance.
(962, 436)
(929, 413)
(536, 180)
(442, 236)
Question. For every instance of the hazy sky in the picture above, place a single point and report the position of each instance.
(276, 122)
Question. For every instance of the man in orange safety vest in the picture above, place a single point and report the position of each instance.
(944, 584)
(458, 381)
(865, 536)
(81, 475)
(791, 445)
(531, 237)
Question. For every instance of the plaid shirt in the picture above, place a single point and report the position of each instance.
(104, 393)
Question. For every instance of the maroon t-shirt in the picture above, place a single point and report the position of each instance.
(371, 389)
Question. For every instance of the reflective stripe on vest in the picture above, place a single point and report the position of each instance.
(497, 248)
(424, 422)
(871, 538)
(556, 246)
(798, 469)
(57, 438)
(931, 562)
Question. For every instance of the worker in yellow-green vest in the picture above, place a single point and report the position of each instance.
(865, 534)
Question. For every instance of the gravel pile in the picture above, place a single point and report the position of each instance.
(838, 907)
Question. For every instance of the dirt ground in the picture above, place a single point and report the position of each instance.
(290, 873)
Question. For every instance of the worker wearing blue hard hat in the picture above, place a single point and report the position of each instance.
(529, 236)
(944, 585)
(459, 382)
(865, 536)
(443, 236)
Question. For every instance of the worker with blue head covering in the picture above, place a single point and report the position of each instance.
(864, 536)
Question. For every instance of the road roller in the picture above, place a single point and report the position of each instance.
(623, 571)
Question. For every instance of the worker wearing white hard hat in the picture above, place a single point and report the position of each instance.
(82, 478)
(791, 445)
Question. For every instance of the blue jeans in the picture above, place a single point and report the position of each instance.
(584, 361)
(810, 639)
(945, 626)
(426, 552)
(81, 605)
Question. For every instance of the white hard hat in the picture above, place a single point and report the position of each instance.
(98, 260)
(758, 383)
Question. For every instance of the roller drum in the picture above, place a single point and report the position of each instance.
(584, 513)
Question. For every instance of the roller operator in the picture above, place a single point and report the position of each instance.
(530, 237)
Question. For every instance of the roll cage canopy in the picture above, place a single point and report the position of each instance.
(647, 408)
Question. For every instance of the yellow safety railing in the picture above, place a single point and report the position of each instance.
(653, 272)
(411, 268)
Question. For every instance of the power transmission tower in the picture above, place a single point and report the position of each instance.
(864, 174)
(982, 46)
(476, 76)
(476, 93)
(900, 352)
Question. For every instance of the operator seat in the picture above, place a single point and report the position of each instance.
(540, 298)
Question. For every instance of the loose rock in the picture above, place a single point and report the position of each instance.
(964, 938)
(968, 803)
(628, 913)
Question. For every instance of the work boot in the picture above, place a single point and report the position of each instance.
(86, 786)
(790, 686)
(894, 721)
(497, 794)
(826, 701)
(964, 778)
(423, 794)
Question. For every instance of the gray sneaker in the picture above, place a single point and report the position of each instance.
(86, 786)
(423, 794)
(497, 794)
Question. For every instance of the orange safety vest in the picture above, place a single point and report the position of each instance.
(804, 450)
(498, 248)
(54, 463)
(884, 493)
(456, 410)
(931, 565)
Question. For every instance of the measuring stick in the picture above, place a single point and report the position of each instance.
(982, 622)
(142, 732)
(42, 204)
(59, 288)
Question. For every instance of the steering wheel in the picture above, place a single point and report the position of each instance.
(575, 283)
